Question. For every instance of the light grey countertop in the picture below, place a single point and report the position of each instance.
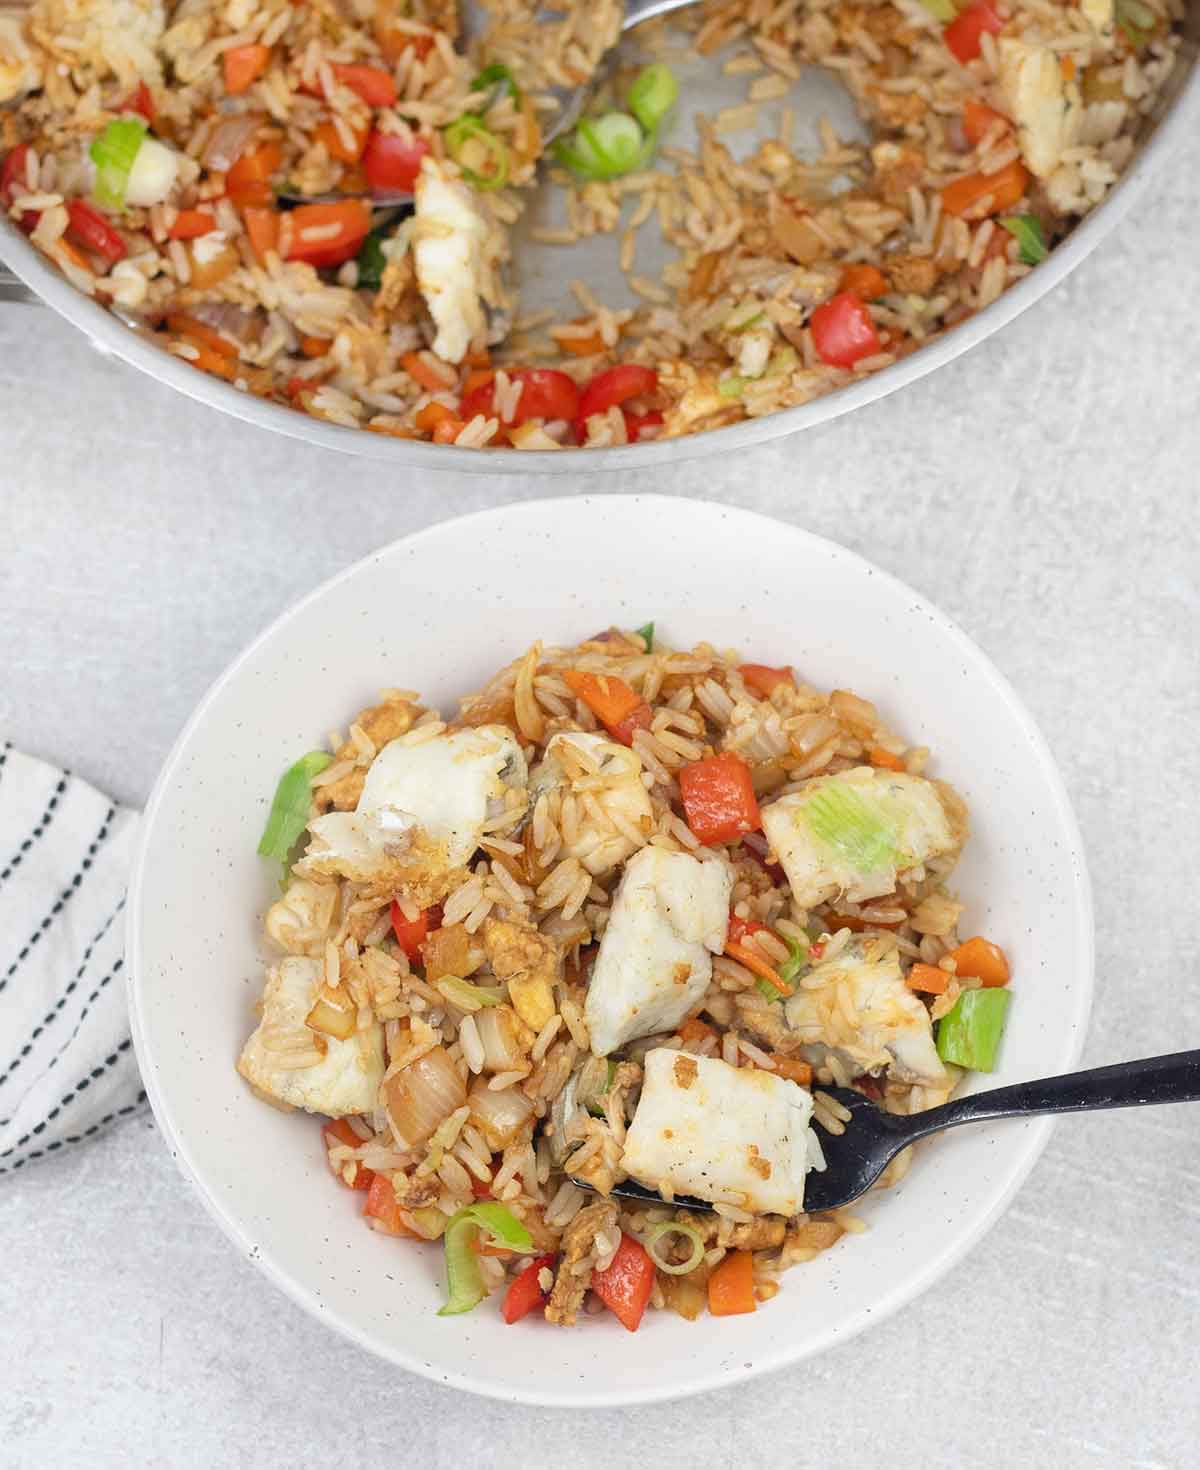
(1045, 491)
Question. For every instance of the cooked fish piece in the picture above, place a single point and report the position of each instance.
(732, 1135)
(342, 1078)
(891, 1027)
(851, 835)
(1046, 108)
(610, 773)
(421, 812)
(668, 919)
(448, 245)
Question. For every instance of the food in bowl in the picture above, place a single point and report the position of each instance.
(623, 917)
(161, 156)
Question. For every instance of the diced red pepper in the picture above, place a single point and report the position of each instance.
(13, 184)
(621, 710)
(411, 934)
(392, 161)
(718, 798)
(763, 679)
(625, 1286)
(546, 393)
(525, 1293)
(843, 332)
(88, 227)
(140, 101)
(341, 228)
(739, 928)
(637, 719)
(383, 1209)
(636, 424)
(613, 386)
(964, 34)
(376, 87)
(338, 1131)
(192, 223)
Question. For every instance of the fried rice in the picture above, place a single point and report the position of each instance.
(995, 127)
(467, 994)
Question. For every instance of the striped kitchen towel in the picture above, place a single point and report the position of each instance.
(67, 1067)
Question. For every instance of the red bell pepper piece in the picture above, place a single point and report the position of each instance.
(625, 1286)
(526, 1293)
(763, 679)
(337, 1130)
(88, 227)
(964, 34)
(376, 87)
(341, 228)
(411, 934)
(391, 161)
(383, 1210)
(718, 798)
(613, 386)
(620, 709)
(140, 101)
(13, 184)
(739, 928)
(546, 394)
(843, 332)
(637, 423)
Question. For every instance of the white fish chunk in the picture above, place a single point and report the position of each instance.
(612, 775)
(732, 1135)
(892, 1028)
(1046, 108)
(668, 919)
(421, 812)
(346, 1079)
(850, 835)
(448, 251)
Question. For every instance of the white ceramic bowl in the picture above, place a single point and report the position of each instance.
(438, 612)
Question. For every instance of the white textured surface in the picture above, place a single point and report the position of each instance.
(1044, 491)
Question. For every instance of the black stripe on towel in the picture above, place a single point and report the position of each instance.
(63, 899)
(46, 818)
(81, 1086)
(63, 998)
(58, 1143)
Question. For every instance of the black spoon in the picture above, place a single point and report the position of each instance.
(855, 1159)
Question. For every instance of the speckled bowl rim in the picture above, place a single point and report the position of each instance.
(777, 1353)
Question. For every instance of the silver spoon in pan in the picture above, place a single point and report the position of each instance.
(571, 99)
(855, 1159)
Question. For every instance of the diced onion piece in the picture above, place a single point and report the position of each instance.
(427, 1221)
(675, 1227)
(229, 141)
(153, 174)
(500, 1033)
(499, 1115)
(468, 997)
(114, 152)
(422, 1096)
(333, 1013)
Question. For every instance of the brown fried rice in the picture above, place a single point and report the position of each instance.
(456, 1017)
(906, 232)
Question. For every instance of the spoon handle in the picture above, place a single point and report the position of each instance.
(636, 11)
(1174, 1078)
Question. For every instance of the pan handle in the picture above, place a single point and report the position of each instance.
(12, 288)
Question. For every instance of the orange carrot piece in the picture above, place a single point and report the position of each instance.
(328, 134)
(763, 679)
(200, 333)
(865, 281)
(731, 1286)
(448, 431)
(610, 699)
(248, 182)
(190, 224)
(979, 119)
(314, 346)
(884, 760)
(433, 414)
(755, 963)
(695, 1030)
(980, 959)
(1002, 190)
(429, 378)
(477, 378)
(929, 978)
(208, 360)
(793, 1069)
(262, 230)
(243, 66)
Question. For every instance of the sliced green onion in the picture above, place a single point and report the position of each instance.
(941, 10)
(745, 314)
(675, 1227)
(653, 93)
(113, 152)
(464, 1280)
(468, 997)
(606, 147)
(1026, 229)
(371, 262)
(969, 1035)
(593, 1105)
(646, 633)
(467, 130)
(290, 808)
(781, 361)
(1137, 20)
(732, 387)
(858, 829)
(498, 80)
(612, 1075)
(792, 968)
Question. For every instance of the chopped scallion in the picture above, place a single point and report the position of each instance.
(941, 10)
(653, 93)
(1026, 229)
(732, 387)
(499, 81)
(371, 262)
(969, 1035)
(675, 1227)
(646, 634)
(857, 828)
(464, 1280)
(290, 808)
(481, 155)
(1137, 21)
(790, 971)
(113, 153)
